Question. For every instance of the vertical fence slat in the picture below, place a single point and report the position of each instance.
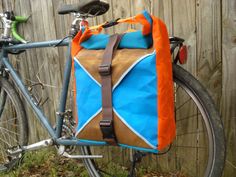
(229, 82)
(209, 46)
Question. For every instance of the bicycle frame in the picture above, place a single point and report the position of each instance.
(54, 133)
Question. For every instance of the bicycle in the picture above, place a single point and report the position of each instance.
(196, 116)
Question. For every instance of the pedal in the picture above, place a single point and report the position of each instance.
(15, 151)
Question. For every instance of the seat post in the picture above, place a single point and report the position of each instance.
(75, 27)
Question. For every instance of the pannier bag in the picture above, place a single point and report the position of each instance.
(124, 87)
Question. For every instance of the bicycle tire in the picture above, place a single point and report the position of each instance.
(13, 125)
(210, 120)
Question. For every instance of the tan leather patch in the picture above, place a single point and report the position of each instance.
(123, 134)
(92, 130)
(123, 59)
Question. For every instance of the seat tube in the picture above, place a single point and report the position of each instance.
(64, 92)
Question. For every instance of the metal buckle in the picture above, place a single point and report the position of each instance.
(111, 23)
(107, 129)
(104, 70)
(106, 123)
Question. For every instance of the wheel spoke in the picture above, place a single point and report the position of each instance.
(3, 151)
(188, 117)
(4, 141)
(189, 133)
(183, 104)
(9, 131)
(8, 120)
(192, 147)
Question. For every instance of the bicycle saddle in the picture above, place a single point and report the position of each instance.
(91, 7)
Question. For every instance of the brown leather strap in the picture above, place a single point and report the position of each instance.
(106, 124)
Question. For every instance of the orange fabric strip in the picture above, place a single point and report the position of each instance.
(75, 46)
(140, 18)
(166, 122)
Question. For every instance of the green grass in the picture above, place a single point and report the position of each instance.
(47, 163)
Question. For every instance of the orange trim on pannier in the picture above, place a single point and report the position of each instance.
(89, 31)
(140, 18)
(166, 122)
(75, 46)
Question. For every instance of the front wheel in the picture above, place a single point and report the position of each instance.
(197, 151)
(13, 124)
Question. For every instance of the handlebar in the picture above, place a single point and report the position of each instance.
(18, 19)
(10, 23)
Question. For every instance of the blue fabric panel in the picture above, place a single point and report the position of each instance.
(88, 95)
(132, 40)
(147, 16)
(135, 99)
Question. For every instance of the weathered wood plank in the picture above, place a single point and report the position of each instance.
(209, 46)
(184, 26)
(120, 9)
(164, 9)
(229, 82)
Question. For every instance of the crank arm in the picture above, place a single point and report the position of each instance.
(61, 151)
(65, 154)
(35, 146)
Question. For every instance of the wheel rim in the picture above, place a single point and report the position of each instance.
(194, 139)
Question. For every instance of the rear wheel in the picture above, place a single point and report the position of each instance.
(198, 149)
(13, 124)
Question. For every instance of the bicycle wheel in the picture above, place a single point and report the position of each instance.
(198, 149)
(13, 124)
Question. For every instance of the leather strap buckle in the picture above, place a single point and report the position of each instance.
(111, 23)
(107, 129)
(104, 69)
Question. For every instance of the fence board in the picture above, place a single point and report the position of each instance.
(184, 26)
(209, 46)
(164, 10)
(229, 83)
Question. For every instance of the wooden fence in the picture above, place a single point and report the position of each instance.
(209, 27)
